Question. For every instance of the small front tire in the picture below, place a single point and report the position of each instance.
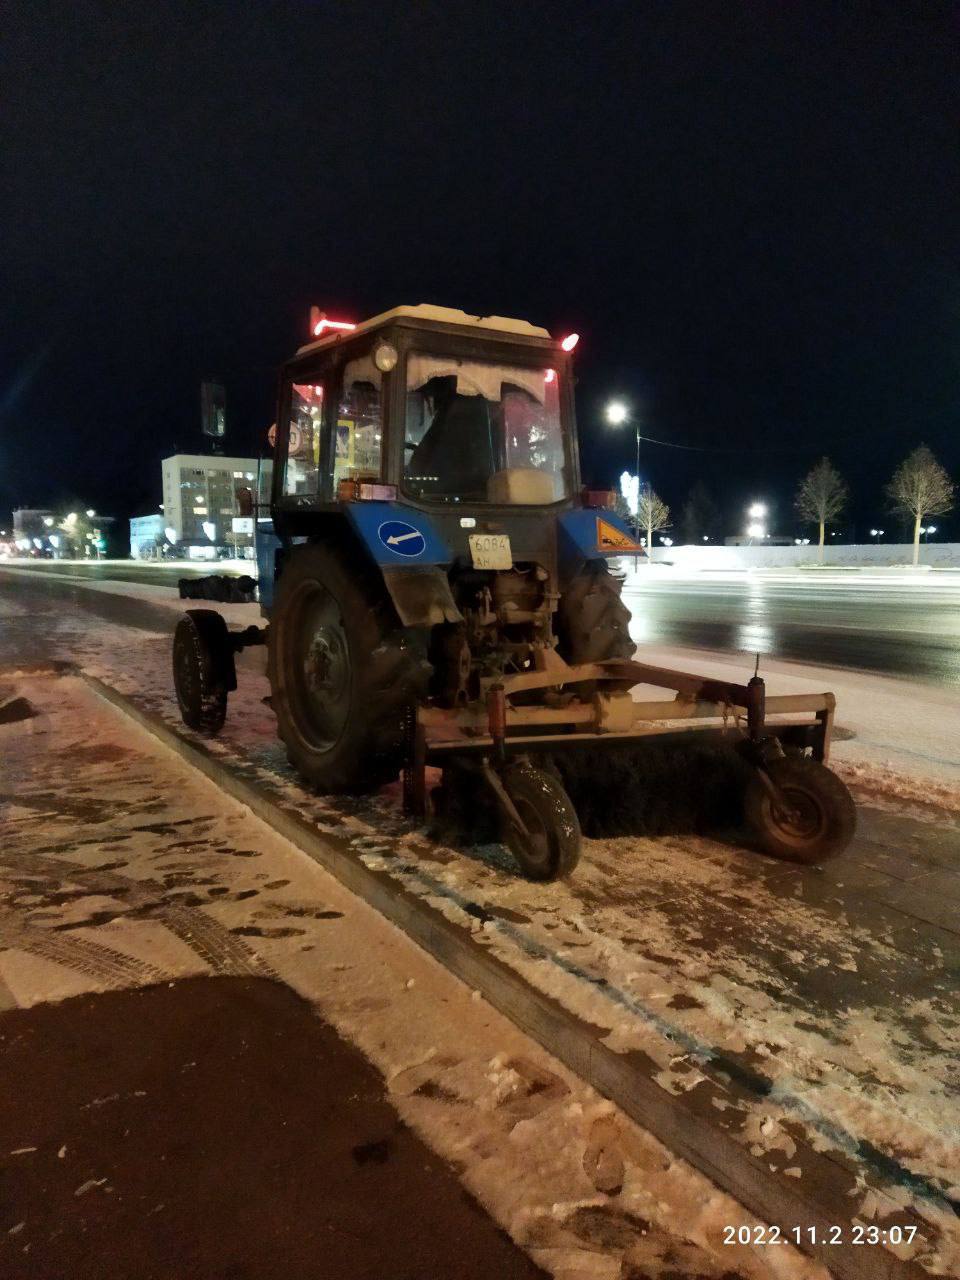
(549, 848)
(815, 819)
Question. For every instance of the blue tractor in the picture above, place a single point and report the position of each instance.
(438, 592)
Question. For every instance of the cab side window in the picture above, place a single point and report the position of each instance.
(359, 423)
(302, 470)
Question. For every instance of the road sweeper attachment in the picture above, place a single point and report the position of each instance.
(439, 595)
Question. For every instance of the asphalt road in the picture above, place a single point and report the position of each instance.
(162, 575)
(899, 628)
(908, 629)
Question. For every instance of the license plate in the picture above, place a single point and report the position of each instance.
(491, 551)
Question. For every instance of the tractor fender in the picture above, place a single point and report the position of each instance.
(402, 543)
(396, 536)
(591, 535)
(413, 557)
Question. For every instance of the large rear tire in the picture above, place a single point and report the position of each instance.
(342, 672)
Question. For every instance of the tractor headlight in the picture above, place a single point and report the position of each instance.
(385, 357)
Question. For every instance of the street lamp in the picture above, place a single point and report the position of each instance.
(90, 513)
(876, 534)
(617, 412)
(756, 528)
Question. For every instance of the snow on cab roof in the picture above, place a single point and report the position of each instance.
(446, 315)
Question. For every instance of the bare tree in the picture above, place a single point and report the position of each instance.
(920, 487)
(652, 514)
(821, 497)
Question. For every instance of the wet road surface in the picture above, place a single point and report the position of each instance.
(897, 627)
(909, 629)
(152, 574)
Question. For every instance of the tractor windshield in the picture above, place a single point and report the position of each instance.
(479, 432)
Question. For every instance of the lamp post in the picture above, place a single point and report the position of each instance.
(617, 413)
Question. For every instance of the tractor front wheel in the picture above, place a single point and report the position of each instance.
(202, 669)
(342, 672)
(592, 621)
(807, 815)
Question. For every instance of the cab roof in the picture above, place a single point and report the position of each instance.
(427, 311)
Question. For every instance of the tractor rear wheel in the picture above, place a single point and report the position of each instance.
(812, 818)
(342, 672)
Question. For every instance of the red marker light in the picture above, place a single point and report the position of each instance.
(323, 324)
(570, 341)
(550, 375)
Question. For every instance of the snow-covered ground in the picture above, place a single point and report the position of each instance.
(690, 951)
(687, 950)
(144, 872)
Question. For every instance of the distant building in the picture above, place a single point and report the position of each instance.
(146, 537)
(64, 535)
(30, 523)
(207, 509)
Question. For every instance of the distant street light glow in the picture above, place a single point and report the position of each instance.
(755, 531)
(757, 510)
(630, 488)
(90, 513)
(570, 341)
(616, 413)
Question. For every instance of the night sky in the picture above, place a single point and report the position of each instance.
(750, 212)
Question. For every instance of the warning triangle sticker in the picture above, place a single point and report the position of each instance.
(610, 538)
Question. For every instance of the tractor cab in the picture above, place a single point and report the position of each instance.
(455, 431)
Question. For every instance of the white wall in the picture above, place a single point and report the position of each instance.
(936, 554)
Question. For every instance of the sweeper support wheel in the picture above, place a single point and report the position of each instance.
(800, 810)
(203, 670)
(538, 822)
